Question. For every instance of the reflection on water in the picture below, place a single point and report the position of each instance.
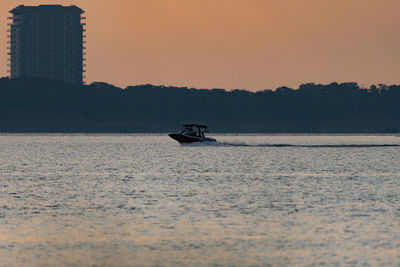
(126, 200)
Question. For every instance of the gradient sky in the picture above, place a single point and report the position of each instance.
(246, 44)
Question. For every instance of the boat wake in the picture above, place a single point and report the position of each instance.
(242, 144)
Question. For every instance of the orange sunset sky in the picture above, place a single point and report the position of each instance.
(246, 44)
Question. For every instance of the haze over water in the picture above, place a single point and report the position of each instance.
(134, 200)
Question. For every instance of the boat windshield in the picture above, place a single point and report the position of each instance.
(194, 130)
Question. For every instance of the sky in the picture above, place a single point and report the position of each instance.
(235, 44)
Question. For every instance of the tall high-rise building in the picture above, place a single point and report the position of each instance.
(47, 41)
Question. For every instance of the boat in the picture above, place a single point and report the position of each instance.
(191, 133)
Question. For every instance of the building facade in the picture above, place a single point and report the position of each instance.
(47, 41)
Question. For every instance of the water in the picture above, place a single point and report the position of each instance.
(144, 200)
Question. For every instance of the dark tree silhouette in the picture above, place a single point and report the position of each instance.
(39, 105)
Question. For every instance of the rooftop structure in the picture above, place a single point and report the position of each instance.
(47, 41)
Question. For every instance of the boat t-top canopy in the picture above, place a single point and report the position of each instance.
(195, 125)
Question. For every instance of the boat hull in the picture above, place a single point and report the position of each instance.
(186, 139)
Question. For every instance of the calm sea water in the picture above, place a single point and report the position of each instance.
(145, 200)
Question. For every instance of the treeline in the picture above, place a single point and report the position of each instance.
(39, 105)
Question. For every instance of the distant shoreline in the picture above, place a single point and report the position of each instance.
(48, 106)
(213, 133)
